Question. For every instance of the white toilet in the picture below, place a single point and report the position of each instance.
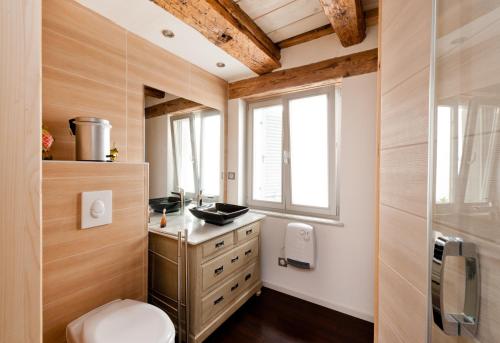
(122, 321)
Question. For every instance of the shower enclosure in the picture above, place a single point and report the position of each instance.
(464, 173)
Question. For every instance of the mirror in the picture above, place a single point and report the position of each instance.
(184, 148)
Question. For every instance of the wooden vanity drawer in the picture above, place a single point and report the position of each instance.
(223, 296)
(221, 266)
(217, 245)
(249, 250)
(248, 232)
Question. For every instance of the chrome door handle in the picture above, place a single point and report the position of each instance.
(456, 324)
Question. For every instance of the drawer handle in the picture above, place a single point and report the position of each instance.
(248, 277)
(219, 244)
(249, 231)
(248, 252)
(234, 287)
(234, 259)
(218, 300)
(219, 270)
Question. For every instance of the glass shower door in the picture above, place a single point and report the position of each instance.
(465, 182)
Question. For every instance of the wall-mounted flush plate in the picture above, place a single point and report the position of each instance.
(97, 209)
(282, 262)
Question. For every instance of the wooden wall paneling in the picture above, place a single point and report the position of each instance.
(405, 41)
(20, 121)
(403, 179)
(387, 333)
(83, 269)
(403, 244)
(406, 32)
(94, 67)
(62, 311)
(207, 89)
(406, 122)
(403, 306)
(68, 95)
(146, 66)
(84, 73)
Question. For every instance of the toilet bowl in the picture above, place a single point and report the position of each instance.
(122, 321)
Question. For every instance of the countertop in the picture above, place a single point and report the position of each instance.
(198, 230)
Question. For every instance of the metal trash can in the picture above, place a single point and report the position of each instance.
(92, 138)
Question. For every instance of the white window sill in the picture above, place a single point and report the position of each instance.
(318, 220)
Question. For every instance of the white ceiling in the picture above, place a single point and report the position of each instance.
(147, 20)
(280, 19)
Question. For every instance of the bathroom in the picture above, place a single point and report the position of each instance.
(343, 143)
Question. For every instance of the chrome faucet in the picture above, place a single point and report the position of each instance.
(181, 195)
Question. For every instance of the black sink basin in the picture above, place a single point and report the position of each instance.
(170, 204)
(218, 213)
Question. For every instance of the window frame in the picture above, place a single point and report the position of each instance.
(250, 124)
(333, 125)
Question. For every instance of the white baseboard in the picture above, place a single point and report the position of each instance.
(349, 311)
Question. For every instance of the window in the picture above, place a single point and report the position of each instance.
(196, 146)
(292, 153)
(466, 144)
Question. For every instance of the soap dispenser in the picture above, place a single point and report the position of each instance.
(163, 221)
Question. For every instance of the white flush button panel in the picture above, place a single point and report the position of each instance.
(97, 208)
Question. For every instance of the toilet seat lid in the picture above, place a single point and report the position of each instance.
(128, 321)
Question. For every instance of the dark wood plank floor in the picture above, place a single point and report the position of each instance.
(276, 317)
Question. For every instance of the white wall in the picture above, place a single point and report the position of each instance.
(235, 150)
(158, 148)
(324, 48)
(343, 279)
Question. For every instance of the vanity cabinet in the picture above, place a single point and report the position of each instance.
(224, 272)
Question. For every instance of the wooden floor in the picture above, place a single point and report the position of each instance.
(276, 317)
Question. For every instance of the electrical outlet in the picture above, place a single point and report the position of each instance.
(282, 262)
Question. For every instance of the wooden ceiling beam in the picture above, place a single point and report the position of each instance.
(312, 75)
(347, 19)
(153, 92)
(176, 106)
(306, 36)
(226, 25)
(371, 19)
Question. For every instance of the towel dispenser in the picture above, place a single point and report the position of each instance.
(300, 245)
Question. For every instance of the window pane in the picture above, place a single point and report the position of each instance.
(443, 155)
(210, 158)
(267, 150)
(184, 155)
(482, 154)
(309, 151)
